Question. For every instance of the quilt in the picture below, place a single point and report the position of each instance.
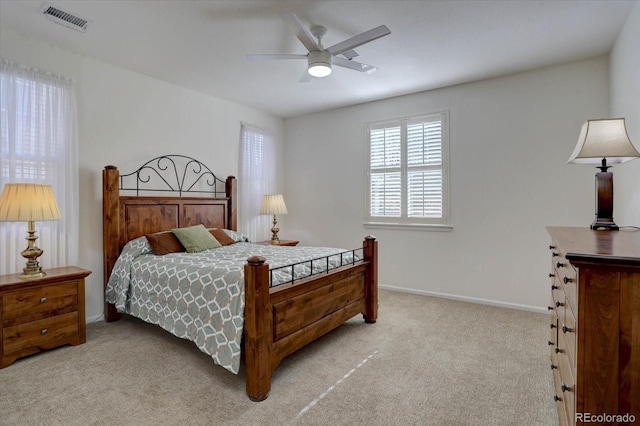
(200, 296)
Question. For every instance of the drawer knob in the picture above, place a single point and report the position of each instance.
(565, 388)
(554, 287)
(44, 331)
(552, 326)
(566, 329)
(554, 254)
(550, 308)
(552, 247)
(553, 367)
(559, 264)
(551, 275)
(567, 280)
(550, 343)
(43, 299)
(558, 304)
(558, 350)
(556, 398)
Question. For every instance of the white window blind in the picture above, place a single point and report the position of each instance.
(407, 170)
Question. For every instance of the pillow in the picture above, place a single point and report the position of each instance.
(222, 236)
(196, 238)
(237, 236)
(164, 243)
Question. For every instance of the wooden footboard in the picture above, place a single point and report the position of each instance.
(281, 320)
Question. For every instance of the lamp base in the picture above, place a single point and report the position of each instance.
(605, 224)
(32, 253)
(274, 231)
(604, 200)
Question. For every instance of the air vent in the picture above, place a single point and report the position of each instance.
(65, 18)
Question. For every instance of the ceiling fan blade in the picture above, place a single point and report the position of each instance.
(353, 65)
(269, 57)
(306, 77)
(359, 40)
(300, 31)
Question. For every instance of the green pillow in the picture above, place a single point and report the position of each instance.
(196, 238)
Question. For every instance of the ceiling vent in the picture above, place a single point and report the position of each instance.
(65, 18)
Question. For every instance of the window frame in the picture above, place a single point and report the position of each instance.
(404, 221)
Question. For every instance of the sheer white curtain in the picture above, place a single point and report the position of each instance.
(39, 144)
(257, 177)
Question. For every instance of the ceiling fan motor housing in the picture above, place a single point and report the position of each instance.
(319, 63)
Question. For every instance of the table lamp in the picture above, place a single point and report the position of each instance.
(273, 204)
(605, 142)
(29, 202)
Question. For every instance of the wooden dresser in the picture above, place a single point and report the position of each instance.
(595, 325)
(42, 313)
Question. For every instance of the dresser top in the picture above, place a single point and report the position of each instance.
(587, 245)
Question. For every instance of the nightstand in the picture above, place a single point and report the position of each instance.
(281, 243)
(41, 313)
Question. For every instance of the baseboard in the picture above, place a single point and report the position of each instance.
(95, 318)
(467, 299)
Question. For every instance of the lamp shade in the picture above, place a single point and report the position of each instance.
(25, 202)
(603, 138)
(273, 204)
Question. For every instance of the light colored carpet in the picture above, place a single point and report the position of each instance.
(427, 361)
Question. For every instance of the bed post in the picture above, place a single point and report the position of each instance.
(231, 188)
(110, 229)
(371, 279)
(258, 331)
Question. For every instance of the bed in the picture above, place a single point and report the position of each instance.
(280, 307)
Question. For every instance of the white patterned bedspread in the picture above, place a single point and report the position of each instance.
(200, 296)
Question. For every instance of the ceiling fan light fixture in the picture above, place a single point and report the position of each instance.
(319, 63)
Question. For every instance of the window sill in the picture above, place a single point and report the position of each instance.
(411, 226)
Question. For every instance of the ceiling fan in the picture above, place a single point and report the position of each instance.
(320, 59)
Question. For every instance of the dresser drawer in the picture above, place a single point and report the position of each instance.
(567, 328)
(567, 385)
(36, 333)
(39, 299)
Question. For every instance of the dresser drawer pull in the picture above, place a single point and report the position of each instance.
(566, 388)
(566, 329)
(43, 299)
(550, 308)
(552, 247)
(554, 254)
(559, 264)
(556, 398)
(553, 367)
(567, 280)
(550, 343)
(44, 331)
(552, 326)
(554, 287)
(551, 275)
(558, 350)
(558, 304)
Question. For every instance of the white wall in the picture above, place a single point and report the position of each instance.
(625, 102)
(510, 138)
(125, 119)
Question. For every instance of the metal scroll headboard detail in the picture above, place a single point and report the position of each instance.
(173, 173)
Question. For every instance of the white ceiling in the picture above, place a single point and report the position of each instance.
(201, 44)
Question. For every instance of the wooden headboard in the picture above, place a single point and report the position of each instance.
(125, 217)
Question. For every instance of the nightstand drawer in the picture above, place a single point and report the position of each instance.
(35, 333)
(40, 299)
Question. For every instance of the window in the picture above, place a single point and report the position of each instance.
(408, 173)
(38, 144)
(257, 177)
